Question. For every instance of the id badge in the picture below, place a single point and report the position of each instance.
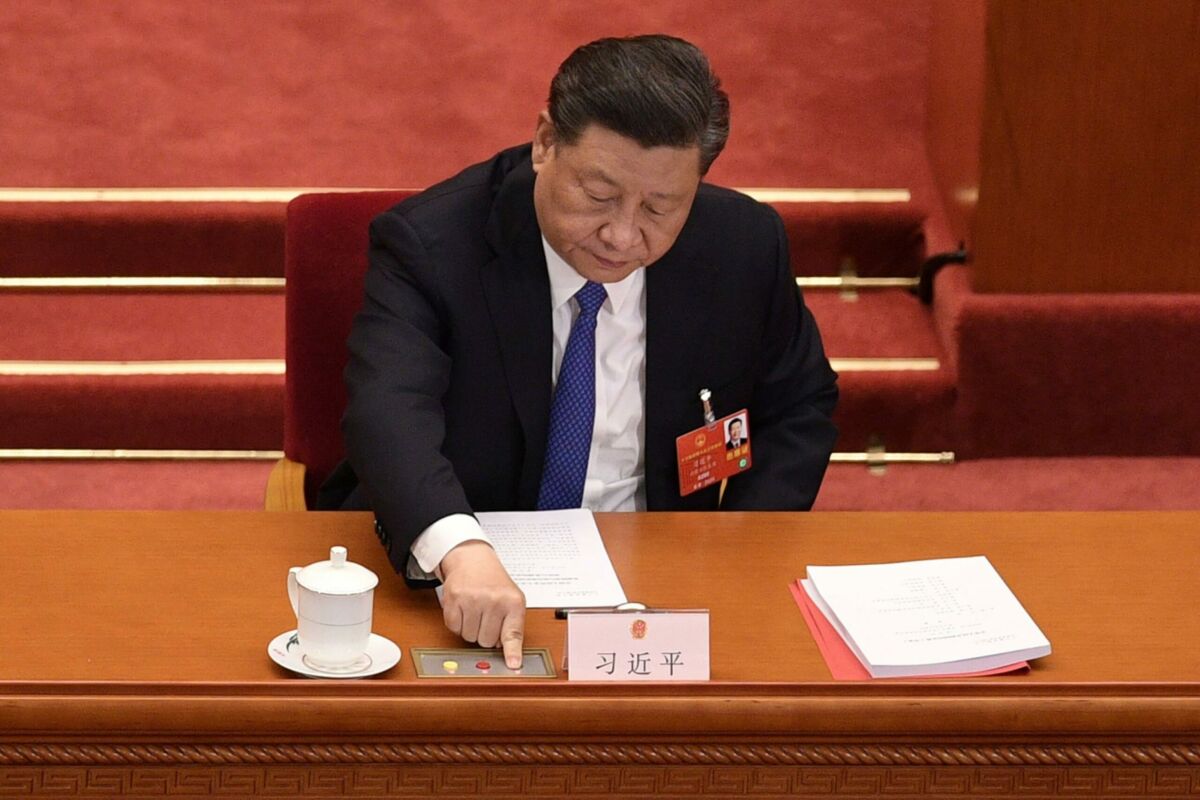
(713, 452)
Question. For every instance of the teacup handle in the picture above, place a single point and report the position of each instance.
(294, 589)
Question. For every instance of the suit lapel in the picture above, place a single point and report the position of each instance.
(679, 311)
(517, 290)
(679, 318)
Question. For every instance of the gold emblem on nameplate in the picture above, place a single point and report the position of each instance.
(638, 629)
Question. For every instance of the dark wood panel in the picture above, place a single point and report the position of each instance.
(1091, 132)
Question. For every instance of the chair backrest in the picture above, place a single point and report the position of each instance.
(325, 257)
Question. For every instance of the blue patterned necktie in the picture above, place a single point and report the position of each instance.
(574, 409)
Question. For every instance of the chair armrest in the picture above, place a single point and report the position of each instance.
(285, 487)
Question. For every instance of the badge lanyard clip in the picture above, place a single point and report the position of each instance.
(705, 398)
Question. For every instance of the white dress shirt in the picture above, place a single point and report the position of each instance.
(616, 472)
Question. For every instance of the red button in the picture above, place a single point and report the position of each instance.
(483, 665)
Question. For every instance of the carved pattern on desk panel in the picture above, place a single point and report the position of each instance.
(601, 754)
(363, 781)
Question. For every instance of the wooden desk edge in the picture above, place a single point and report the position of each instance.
(792, 711)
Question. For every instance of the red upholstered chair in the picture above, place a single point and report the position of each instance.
(325, 262)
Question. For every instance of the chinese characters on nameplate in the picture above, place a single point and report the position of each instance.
(637, 646)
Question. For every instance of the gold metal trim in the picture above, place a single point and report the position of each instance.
(274, 284)
(127, 368)
(278, 195)
(768, 195)
(267, 366)
(874, 458)
(165, 284)
(885, 364)
(64, 454)
(842, 282)
(285, 194)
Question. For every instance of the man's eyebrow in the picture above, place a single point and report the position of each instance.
(597, 175)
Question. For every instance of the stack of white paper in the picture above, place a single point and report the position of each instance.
(939, 617)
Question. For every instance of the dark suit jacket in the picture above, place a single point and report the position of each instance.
(449, 376)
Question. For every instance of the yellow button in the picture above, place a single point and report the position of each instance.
(450, 666)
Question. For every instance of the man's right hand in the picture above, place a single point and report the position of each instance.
(480, 602)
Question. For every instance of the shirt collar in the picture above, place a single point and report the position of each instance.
(565, 282)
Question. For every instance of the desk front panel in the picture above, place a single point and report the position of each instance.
(149, 630)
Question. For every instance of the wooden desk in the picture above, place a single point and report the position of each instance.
(133, 662)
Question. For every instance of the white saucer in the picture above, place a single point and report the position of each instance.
(382, 654)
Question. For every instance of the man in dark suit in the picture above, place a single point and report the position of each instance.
(734, 439)
(512, 352)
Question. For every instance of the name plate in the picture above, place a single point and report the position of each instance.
(637, 645)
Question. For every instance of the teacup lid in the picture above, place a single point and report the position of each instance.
(337, 575)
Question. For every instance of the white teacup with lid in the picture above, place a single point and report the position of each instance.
(333, 602)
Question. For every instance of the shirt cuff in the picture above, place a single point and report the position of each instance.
(440, 538)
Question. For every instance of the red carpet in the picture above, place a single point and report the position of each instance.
(191, 485)
(234, 412)
(879, 239)
(140, 327)
(825, 93)
(246, 239)
(881, 323)
(203, 412)
(1073, 374)
(903, 411)
(1018, 484)
(344, 93)
(149, 93)
(139, 239)
(995, 484)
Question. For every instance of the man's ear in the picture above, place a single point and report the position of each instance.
(544, 139)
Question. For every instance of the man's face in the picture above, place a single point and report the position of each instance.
(735, 429)
(606, 204)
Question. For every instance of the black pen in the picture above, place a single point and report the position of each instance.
(561, 613)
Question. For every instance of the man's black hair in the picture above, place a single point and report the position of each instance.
(657, 90)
